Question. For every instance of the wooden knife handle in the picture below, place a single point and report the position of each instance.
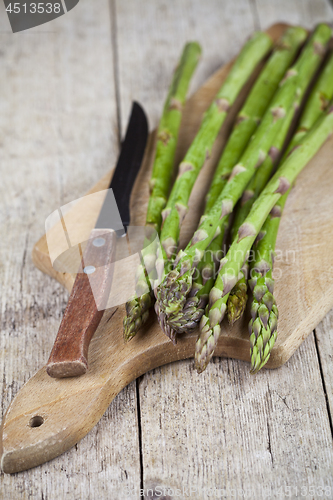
(85, 307)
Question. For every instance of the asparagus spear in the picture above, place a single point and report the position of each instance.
(171, 294)
(246, 123)
(167, 134)
(137, 308)
(306, 65)
(264, 312)
(254, 108)
(238, 253)
(317, 102)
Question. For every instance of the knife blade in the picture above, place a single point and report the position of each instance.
(84, 310)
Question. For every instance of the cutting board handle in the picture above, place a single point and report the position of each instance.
(49, 415)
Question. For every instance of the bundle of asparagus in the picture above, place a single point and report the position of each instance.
(247, 122)
(189, 279)
(251, 54)
(172, 293)
(174, 212)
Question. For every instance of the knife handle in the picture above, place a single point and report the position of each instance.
(85, 307)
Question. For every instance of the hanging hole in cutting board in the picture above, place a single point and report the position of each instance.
(36, 421)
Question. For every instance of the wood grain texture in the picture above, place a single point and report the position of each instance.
(252, 433)
(107, 460)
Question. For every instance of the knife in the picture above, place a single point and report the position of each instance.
(84, 311)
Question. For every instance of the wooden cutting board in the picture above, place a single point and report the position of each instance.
(48, 416)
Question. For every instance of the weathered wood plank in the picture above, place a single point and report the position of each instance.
(306, 13)
(150, 38)
(233, 431)
(58, 127)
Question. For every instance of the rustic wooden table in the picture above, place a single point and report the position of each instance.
(66, 93)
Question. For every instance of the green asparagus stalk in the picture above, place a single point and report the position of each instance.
(167, 134)
(254, 108)
(309, 60)
(200, 149)
(171, 294)
(137, 308)
(252, 53)
(317, 103)
(247, 121)
(230, 266)
(306, 66)
(264, 312)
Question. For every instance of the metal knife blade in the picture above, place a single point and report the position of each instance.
(128, 165)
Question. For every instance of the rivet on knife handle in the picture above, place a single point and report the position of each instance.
(85, 308)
